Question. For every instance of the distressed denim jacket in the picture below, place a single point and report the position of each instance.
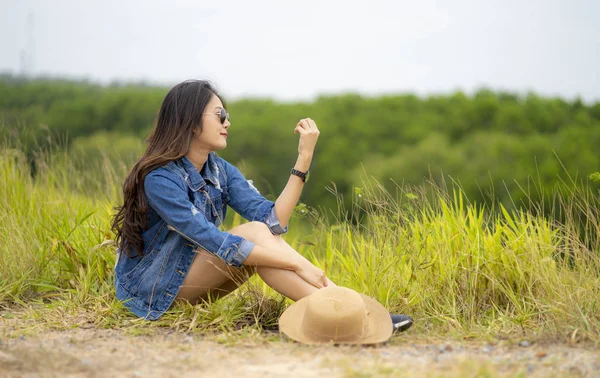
(185, 209)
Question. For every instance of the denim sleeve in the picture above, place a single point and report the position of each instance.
(245, 199)
(170, 200)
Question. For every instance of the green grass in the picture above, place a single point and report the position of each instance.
(457, 267)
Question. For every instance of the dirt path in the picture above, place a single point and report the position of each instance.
(111, 353)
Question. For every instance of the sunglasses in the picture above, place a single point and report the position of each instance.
(223, 115)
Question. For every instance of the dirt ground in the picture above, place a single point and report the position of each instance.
(116, 353)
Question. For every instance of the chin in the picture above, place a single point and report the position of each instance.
(220, 147)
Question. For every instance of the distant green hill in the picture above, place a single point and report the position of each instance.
(493, 143)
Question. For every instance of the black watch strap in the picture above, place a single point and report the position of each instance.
(300, 174)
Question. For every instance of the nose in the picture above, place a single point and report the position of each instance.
(226, 124)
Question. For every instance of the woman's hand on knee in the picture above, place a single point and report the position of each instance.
(311, 274)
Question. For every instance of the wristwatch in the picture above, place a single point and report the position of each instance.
(303, 175)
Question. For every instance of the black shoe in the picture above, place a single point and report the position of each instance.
(401, 322)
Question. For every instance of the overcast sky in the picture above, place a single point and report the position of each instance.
(295, 50)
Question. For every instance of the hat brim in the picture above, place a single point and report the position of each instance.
(379, 324)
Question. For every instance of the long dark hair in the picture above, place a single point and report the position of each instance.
(179, 116)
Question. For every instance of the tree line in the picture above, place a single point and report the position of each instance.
(493, 144)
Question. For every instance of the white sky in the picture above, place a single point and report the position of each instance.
(295, 50)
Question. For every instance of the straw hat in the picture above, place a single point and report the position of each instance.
(339, 315)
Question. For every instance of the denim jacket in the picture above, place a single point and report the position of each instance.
(185, 209)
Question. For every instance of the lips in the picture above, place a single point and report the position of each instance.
(224, 134)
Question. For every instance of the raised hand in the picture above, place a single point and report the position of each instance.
(309, 133)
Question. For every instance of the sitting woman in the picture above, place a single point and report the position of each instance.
(176, 196)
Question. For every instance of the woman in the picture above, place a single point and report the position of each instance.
(176, 196)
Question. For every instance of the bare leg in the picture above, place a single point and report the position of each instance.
(209, 275)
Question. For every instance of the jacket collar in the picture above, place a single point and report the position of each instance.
(209, 172)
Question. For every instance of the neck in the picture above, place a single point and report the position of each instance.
(198, 158)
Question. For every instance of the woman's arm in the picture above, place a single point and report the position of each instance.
(282, 259)
(169, 198)
(245, 199)
(287, 200)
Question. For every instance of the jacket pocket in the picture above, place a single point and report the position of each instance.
(210, 205)
(200, 202)
(215, 206)
(226, 198)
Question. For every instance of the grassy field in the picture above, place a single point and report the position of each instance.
(459, 268)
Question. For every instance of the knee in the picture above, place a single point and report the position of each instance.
(259, 227)
(252, 231)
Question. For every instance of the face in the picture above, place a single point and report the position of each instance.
(214, 133)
